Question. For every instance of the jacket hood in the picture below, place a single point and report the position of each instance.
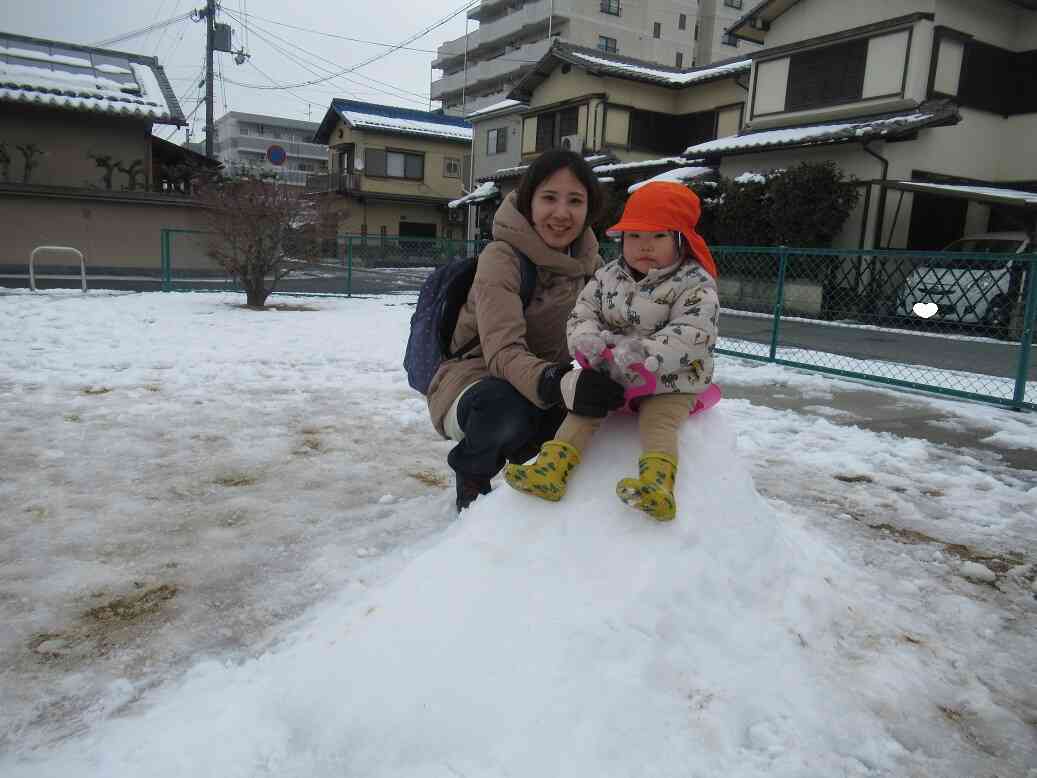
(510, 226)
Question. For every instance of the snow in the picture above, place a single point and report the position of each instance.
(372, 121)
(790, 135)
(482, 192)
(330, 617)
(684, 79)
(677, 174)
(619, 166)
(1030, 198)
(750, 178)
(495, 107)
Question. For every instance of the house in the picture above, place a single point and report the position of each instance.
(483, 66)
(940, 91)
(273, 144)
(393, 171)
(631, 119)
(79, 165)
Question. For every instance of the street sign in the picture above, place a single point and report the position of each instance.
(276, 154)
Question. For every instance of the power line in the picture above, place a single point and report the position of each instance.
(144, 30)
(316, 68)
(366, 62)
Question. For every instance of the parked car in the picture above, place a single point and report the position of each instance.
(970, 290)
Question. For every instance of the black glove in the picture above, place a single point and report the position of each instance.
(586, 392)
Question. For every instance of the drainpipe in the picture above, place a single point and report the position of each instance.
(869, 288)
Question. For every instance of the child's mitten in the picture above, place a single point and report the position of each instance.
(591, 345)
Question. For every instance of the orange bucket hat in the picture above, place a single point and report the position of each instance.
(665, 206)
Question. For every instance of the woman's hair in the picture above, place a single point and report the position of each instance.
(545, 166)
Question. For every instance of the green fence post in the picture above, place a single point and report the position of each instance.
(349, 266)
(167, 283)
(783, 257)
(1026, 342)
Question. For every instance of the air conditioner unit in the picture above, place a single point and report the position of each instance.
(572, 143)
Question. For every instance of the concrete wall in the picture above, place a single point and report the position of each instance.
(486, 164)
(376, 215)
(813, 18)
(998, 22)
(66, 138)
(110, 234)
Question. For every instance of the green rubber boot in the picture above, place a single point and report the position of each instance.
(546, 477)
(652, 490)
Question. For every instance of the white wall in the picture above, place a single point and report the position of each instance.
(991, 21)
(813, 18)
(1018, 146)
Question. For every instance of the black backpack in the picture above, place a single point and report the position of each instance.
(440, 301)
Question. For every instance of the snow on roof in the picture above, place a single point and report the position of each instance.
(621, 166)
(485, 191)
(495, 107)
(821, 133)
(389, 118)
(1029, 198)
(48, 73)
(678, 175)
(669, 76)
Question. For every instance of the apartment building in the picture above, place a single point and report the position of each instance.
(272, 143)
(478, 70)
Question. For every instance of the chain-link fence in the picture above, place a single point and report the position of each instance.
(953, 323)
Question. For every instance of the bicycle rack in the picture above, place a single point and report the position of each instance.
(60, 250)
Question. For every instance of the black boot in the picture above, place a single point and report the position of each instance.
(469, 488)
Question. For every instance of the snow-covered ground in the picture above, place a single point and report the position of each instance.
(228, 548)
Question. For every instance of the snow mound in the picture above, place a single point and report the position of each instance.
(575, 639)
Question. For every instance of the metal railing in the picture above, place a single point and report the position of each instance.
(960, 325)
(333, 182)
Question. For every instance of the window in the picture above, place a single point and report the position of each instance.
(243, 131)
(552, 127)
(395, 164)
(667, 134)
(657, 30)
(451, 167)
(729, 40)
(607, 44)
(496, 141)
(696, 31)
(682, 22)
(834, 74)
(733, 3)
(611, 7)
(680, 60)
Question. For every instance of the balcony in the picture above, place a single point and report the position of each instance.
(343, 183)
(533, 17)
(491, 69)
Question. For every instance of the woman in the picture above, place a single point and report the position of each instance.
(503, 399)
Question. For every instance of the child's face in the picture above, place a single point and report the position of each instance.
(645, 251)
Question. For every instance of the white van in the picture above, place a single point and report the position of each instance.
(973, 290)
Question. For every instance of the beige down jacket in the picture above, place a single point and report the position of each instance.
(675, 311)
(515, 345)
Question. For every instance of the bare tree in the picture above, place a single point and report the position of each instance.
(260, 226)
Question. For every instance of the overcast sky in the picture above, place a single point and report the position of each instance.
(400, 78)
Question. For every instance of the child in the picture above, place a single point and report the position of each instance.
(657, 305)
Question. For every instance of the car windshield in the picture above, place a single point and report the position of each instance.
(977, 246)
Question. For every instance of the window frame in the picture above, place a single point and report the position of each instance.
(500, 141)
(657, 30)
(567, 118)
(679, 60)
(799, 98)
(682, 21)
(405, 153)
(611, 7)
(603, 44)
(446, 166)
(736, 4)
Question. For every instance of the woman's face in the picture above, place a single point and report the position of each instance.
(645, 251)
(560, 209)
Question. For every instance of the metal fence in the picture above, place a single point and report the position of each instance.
(955, 324)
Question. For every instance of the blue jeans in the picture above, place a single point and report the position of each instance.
(499, 425)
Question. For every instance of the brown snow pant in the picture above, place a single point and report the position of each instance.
(658, 417)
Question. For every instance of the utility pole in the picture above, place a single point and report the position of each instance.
(210, 34)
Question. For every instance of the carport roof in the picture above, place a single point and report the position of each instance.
(984, 194)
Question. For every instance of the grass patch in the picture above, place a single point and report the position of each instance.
(430, 478)
(97, 390)
(855, 479)
(132, 606)
(73, 417)
(236, 479)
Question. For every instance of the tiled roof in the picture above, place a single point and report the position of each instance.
(935, 113)
(390, 118)
(501, 106)
(504, 173)
(604, 64)
(48, 73)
